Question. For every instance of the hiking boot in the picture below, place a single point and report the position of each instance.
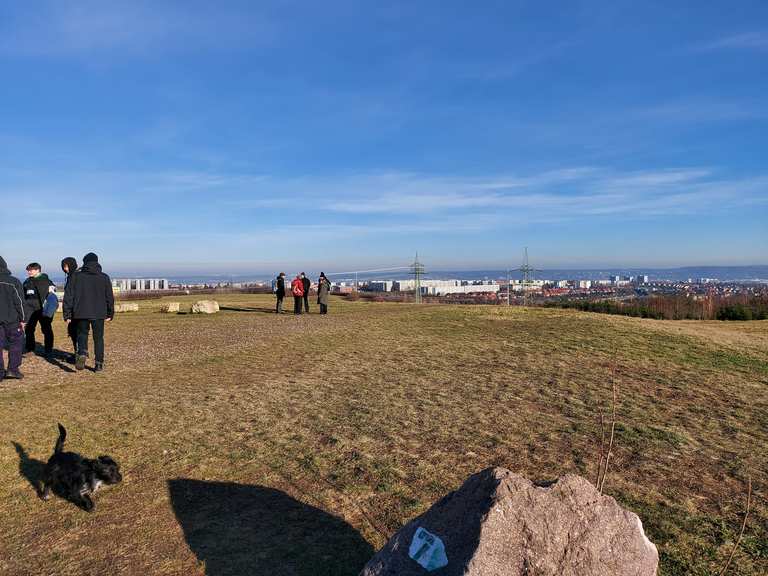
(99, 367)
(80, 363)
(14, 374)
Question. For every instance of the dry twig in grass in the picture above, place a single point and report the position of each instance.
(602, 469)
(741, 532)
(602, 449)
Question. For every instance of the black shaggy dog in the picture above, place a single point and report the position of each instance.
(75, 478)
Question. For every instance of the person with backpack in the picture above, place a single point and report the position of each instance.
(323, 289)
(297, 289)
(279, 292)
(37, 286)
(13, 316)
(69, 267)
(89, 302)
(305, 283)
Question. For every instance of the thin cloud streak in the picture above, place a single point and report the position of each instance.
(91, 28)
(755, 40)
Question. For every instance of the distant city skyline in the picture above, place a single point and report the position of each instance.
(180, 138)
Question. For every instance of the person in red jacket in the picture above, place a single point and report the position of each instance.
(297, 289)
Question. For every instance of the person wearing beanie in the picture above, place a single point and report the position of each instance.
(13, 317)
(89, 302)
(305, 283)
(279, 292)
(37, 286)
(323, 289)
(69, 267)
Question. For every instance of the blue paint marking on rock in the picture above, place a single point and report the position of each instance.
(428, 550)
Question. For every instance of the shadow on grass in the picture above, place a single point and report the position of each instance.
(244, 529)
(55, 358)
(30, 468)
(248, 309)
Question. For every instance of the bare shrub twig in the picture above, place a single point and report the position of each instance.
(741, 532)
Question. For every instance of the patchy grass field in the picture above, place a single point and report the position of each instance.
(260, 444)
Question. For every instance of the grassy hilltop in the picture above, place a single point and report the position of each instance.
(258, 444)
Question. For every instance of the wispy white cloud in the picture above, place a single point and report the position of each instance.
(755, 40)
(514, 66)
(173, 205)
(549, 196)
(702, 111)
(89, 27)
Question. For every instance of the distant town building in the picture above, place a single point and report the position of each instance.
(140, 284)
(381, 285)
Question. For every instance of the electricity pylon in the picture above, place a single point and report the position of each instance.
(527, 271)
(417, 271)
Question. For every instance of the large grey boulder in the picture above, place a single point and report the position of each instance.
(501, 524)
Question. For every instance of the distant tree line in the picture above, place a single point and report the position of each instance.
(678, 307)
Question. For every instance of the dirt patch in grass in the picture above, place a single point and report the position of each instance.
(349, 425)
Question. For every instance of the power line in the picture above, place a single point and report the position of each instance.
(366, 271)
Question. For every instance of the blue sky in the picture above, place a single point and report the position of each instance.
(250, 136)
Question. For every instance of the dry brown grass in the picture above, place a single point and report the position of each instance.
(346, 426)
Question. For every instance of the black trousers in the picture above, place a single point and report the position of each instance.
(72, 333)
(83, 327)
(11, 337)
(45, 326)
(279, 305)
(297, 304)
(323, 308)
(306, 303)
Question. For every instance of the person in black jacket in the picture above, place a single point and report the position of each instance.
(280, 292)
(89, 302)
(306, 283)
(13, 316)
(69, 267)
(37, 286)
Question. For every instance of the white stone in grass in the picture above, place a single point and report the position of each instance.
(205, 307)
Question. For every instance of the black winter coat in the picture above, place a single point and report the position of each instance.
(36, 291)
(280, 290)
(306, 283)
(89, 294)
(12, 309)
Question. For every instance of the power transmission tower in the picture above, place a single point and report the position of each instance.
(417, 271)
(527, 271)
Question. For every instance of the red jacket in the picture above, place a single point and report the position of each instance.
(297, 287)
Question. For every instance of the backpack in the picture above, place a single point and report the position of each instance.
(51, 305)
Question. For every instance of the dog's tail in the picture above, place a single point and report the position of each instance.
(60, 442)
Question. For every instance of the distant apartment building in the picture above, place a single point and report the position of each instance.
(582, 284)
(444, 290)
(140, 284)
(381, 285)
